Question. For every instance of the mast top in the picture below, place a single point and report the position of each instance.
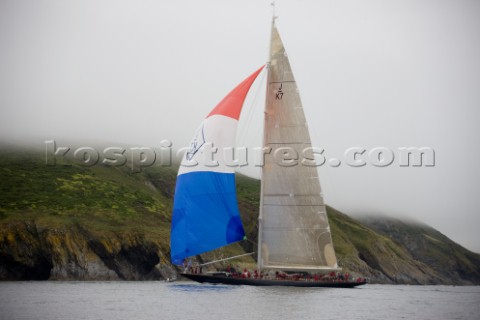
(273, 12)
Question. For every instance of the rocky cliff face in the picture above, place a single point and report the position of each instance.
(35, 251)
(32, 252)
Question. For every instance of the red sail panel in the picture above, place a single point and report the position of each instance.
(231, 105)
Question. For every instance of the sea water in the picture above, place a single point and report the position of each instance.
(52, 300)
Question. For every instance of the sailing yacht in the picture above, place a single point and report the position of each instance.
(294, 240)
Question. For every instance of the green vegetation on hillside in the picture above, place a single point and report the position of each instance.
(101, 197)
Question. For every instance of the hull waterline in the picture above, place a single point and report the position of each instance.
(222, 279)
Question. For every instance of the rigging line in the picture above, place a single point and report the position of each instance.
(252, 242)
(250, 112)
(284, 81)
(285, 143)
(293, 205)
(254, 102)
(212, 262)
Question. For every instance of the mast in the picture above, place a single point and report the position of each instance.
(260, 214)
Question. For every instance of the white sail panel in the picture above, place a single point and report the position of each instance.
(294, 233)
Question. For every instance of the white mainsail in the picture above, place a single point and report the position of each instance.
(294, 233)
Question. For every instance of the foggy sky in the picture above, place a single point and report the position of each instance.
(370, 73)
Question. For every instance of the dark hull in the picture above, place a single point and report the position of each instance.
(221, 279)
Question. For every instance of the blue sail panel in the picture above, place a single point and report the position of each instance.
(205, 214)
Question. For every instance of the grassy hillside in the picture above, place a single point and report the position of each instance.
(102, 198)
(74, 222)
(429, 246)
